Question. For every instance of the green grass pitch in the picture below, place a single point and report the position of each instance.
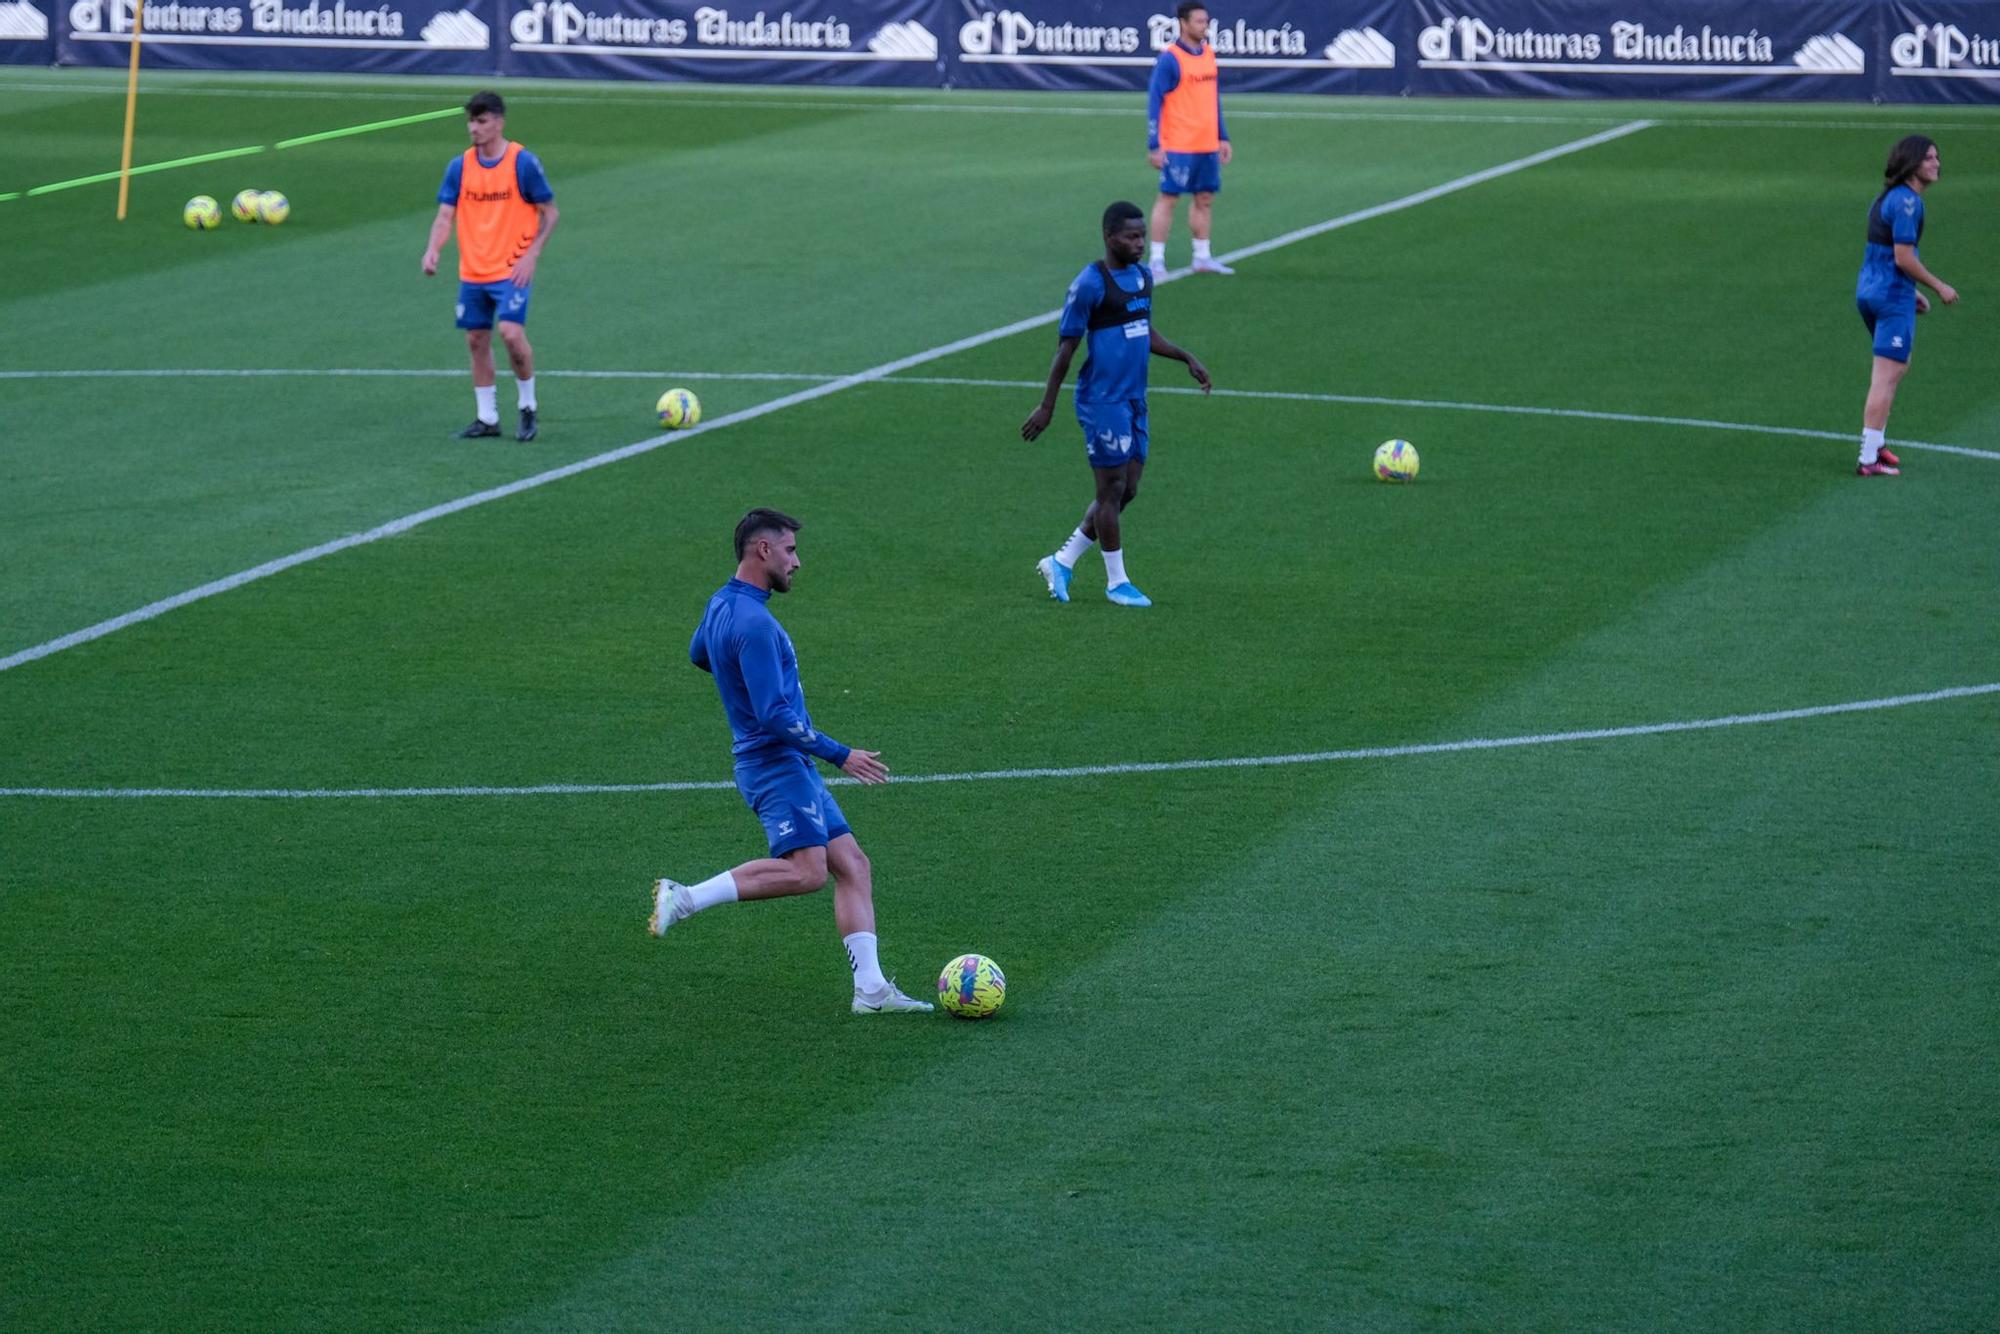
(1681, 1030)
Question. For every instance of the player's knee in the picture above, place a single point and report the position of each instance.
(1130, 494)
(808, 870)
(515, 336)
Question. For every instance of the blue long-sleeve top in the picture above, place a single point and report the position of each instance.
(756, 672)
(1166, 78)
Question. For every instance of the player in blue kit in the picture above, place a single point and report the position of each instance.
(1886, 290)
(756, 672)
(1111, 305)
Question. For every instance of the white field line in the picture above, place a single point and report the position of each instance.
(1447, 405)
(712, 97)
(967, 382)
(1073, 771)
(869, 376)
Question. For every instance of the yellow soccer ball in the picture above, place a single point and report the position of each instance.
(273, 207)
(971, 986)
(201, 213)
(1396, 461)
(679, 409)
(243, 208)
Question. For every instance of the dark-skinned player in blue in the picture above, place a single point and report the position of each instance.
(756, 672)
(1110, 305)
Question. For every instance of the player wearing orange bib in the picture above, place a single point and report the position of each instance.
(1186, 138)
(500, 199)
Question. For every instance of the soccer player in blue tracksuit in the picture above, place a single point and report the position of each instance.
(1111, 304)
(756, 672)
(1886, 291)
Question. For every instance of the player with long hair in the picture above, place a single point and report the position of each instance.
(1886, 290)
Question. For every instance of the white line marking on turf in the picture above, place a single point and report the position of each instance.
(968, 382)
(1073, 771)
(258, 373)
(869, 376)
(711, 97)
(1447, 405)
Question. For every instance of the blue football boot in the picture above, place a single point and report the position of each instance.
(1057, 575)
(1127, 594)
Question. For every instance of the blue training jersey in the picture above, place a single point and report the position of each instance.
(1895, 218)
(756, 672)
(1118, 332)
(528, 175)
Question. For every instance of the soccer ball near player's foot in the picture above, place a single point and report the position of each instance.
(1396, 461)
(971, 986)
(273, 207)
(201, 213)
(679, 409)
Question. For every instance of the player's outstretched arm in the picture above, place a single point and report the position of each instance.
(1160, 347)
(440, 230)
(1038, 420)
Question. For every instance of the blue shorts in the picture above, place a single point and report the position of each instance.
(791, 800)
(479, 304)
(1113, 433)
(1191, 174)
(1894, 330)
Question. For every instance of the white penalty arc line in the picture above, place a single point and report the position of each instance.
(1015, 775)
(967, 382)
(869, 376)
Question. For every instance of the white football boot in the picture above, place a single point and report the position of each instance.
(889, 1001)
(670, 905)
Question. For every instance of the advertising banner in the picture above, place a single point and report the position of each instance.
(810, 41)
(389, 36)
(1942, 53)
(26, 35)
(1265, 46)
(1646, 48)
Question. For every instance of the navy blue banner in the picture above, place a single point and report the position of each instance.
(1834, 50)
(389, 36)
(807, 41)
(26, 35)
(1646, 48)
(1265, 46)
(1942, 53)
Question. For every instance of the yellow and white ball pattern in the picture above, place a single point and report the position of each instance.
(679, 409)
(243, 208)
(201, 213)
(1396, 461)
(273, 207)
(971, 986)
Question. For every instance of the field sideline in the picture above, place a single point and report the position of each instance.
(1556, 894)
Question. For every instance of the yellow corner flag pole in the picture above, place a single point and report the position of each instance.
(131, 108)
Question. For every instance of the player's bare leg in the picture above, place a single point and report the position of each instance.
(522, 358)
(479, 343)
(1201, 215)
(1116, 488)
(801, 871)
(1883, 380)
(854, 916)
(1160, 228)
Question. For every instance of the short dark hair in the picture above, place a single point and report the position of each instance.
(485, 103)
(762, 521)
(1187, 7)
(1904, 159)
(1119, 214)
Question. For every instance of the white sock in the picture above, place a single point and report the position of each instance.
(712, 891)
(1871, 444)
(526, 390)
(488, 398)
(861, 956)
(1159, 252)
(1201, 247)
(1114, 568)
(1072, 550)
